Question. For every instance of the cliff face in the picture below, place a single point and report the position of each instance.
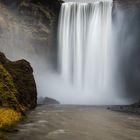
(17, 85)
(126, 18)
(29, 27)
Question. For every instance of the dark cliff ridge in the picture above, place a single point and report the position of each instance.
(17, 85)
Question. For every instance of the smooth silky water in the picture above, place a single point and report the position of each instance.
(84, 44)
(87, 58)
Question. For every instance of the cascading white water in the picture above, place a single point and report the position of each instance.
(87, 59)
(86, 56)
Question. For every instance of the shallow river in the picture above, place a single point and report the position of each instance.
(77, 123)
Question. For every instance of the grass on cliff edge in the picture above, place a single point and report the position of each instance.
(8, 117)
(8, 91)
(9, 106)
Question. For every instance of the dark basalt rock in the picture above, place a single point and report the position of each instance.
(47, 101)
(136, 105)
(133, 108)
(50, 101)
(17, 84)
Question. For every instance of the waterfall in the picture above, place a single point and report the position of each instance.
(86, 55)
(87, 58)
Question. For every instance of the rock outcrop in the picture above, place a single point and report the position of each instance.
(17, 85)
(136, 105)
(47, 101)
(133, 108)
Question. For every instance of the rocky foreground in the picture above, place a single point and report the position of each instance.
(134, 108)
(18, 92)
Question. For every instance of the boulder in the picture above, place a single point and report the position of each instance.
(50, 101)
(17, 85)
(47, 101)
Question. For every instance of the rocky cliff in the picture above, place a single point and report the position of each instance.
(17, 85)
(126, 18)
(18, 92)
(29, 27)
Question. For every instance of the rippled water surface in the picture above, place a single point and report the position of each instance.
(61, 122)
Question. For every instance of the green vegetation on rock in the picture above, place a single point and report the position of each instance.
(17, 92)
(17, 85)
(8, 90)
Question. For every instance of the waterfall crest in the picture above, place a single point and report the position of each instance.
(85, 53)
